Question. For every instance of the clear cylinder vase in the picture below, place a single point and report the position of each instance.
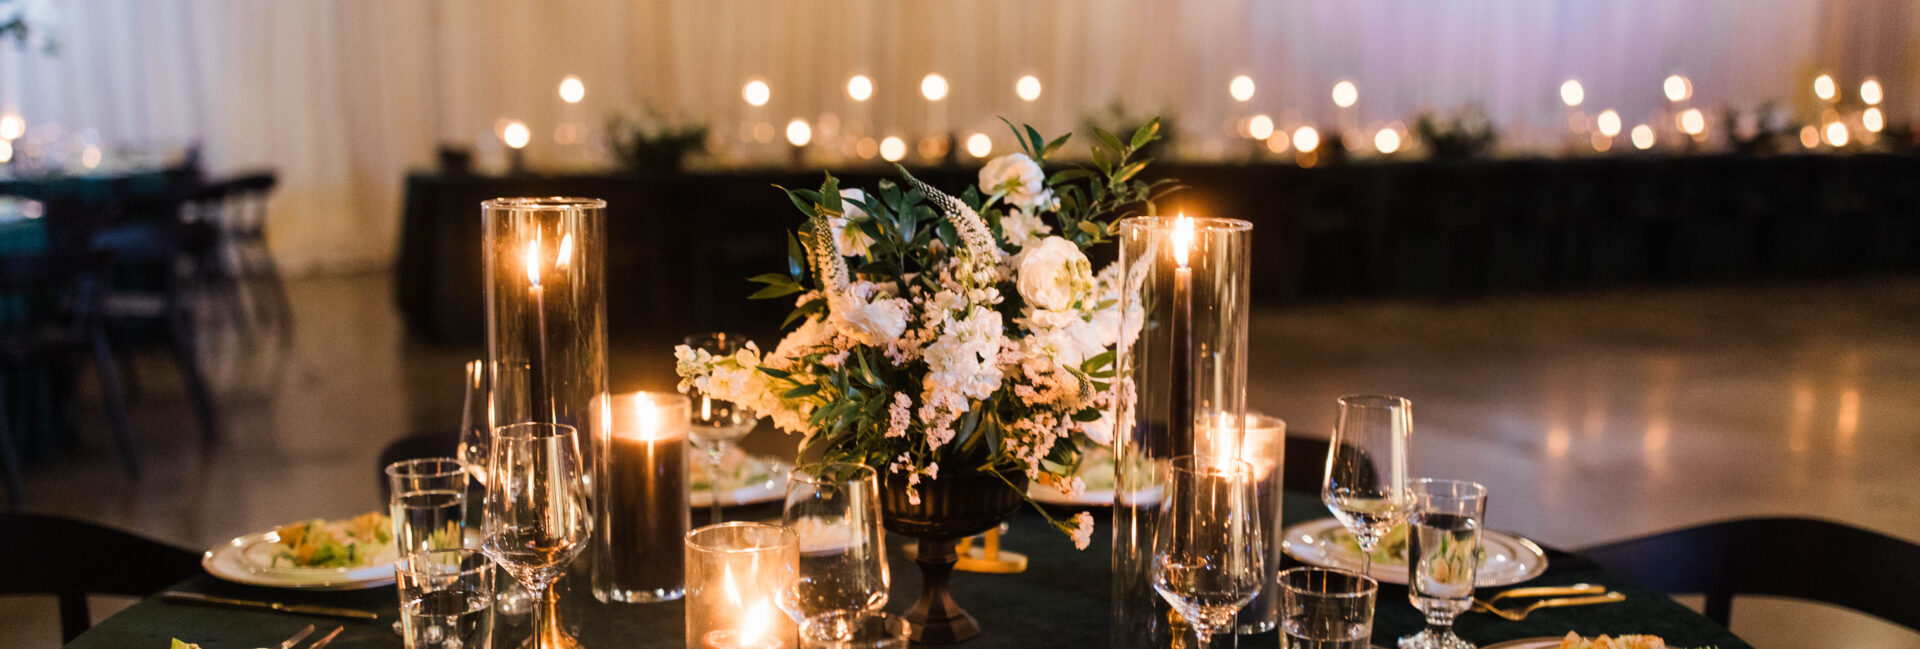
(545, 268)
(1181, 371)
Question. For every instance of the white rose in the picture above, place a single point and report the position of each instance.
(847, 236)
(1053, 274)
(1018, 178)
(1020, 227)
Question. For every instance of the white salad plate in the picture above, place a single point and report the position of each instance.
(249, 560)
(1509, 559)
(769, 484)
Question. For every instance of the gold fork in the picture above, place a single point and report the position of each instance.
(1548, 591)
(1484, 607)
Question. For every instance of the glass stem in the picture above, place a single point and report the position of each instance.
(1202, 638)
(1366, 555)
(546, 621)
(715, 483)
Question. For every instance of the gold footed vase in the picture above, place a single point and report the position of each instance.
(952, 507)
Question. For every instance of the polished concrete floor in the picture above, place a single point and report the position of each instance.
(1591, 417)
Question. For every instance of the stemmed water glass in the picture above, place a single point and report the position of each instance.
(476, 421)
(717, 424)
(1443, 557)
(834, 510)
(1366, 480)
(538, 515)
(1208, 558)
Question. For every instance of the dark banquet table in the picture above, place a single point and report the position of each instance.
(1060, 601)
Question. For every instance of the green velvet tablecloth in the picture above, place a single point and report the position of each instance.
(1060, 601)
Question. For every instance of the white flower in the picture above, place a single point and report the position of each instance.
(1054, 274)
(1021, 227)
(1082, 530)
(962, 359)
(1018, 178)
(847, 235)
(868, 315)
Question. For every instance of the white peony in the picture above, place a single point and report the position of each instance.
(1054, 274)
(1021, 227)
(847, 235)
(963, 359)
(869, 315)
(1018, 178)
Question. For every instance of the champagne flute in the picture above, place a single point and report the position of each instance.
(717, 424)
(1208, 558)
(538, 515)
(834, 509)
(1366, 480)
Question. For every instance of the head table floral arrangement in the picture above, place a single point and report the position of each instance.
(935, 334)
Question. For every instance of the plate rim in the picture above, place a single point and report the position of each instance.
(1288, 545)
(212, 560)
(1541, 642)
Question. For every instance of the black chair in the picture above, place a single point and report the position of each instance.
(148, 297)
(1785, 557)
(236, 210)
(69, 559)
(57, 324)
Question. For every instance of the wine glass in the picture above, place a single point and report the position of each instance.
(538, 515)
(834, 509)
(718, 425)
(1366, 481)
(1208, 559)
(1443, 557)
(476, 421)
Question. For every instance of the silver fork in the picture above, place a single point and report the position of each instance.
(294, 639)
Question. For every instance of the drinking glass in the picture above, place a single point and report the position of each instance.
(834, 509)
(1366, 481)
(476, 421)
(1443, 557)
(1321, 608)
(427, 500)
(1208, 559)
(718, 425)
(446, 599)
(538, 514)
(854, 630)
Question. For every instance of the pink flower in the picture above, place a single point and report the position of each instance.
(1082, 531)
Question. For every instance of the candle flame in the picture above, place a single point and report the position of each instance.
(754, 628)
(533, 262)
(566, 252)
(647, 416)
(1182, 239)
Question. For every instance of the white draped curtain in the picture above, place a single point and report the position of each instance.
(342, 97)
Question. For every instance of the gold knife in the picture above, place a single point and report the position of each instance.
(302, 609)
(1549, 591)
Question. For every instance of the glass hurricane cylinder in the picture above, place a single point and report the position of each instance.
(735, 574)
(1182, 362)
(644, 516)
(1262, 444)
(545, 287)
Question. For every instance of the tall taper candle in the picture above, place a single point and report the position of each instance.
(1181, 396)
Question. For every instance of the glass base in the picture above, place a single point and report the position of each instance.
(617, 596)
(1428, 639)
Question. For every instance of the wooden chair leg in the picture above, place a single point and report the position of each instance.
(108, 372)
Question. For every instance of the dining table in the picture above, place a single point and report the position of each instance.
(1060, 600)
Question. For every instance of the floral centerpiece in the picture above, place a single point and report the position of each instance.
(935, 334)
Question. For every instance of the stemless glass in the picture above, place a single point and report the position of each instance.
(427, 501)
(446, 599)
(1209, 560)
(1443, 557)
(855, 630)
(1366, 480)
(834, 509)
(1326, 609)
(538, 514)
(718, 425)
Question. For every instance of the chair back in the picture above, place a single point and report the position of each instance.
(69, 559)
(1801, 558)
(237, 206)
